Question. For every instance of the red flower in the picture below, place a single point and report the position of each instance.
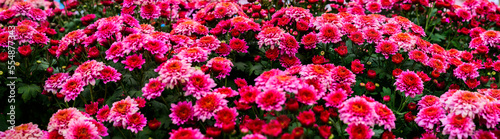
(370, 86)
(154, 124)
(241, 106)
(228, 128)
(324, 116)
(397, 58)
(272, 54)
(371, 74)
(4, 56)
(306, 118)
(409, 117)
(484, 79)
(454, 87)
(387, 135)
(240, 82)
(341, 50)
(396, 72)
(493, 85)
(318, 109)
(91, 108)
(357, 67)
(256, 58)
(412, 106)
(255, 125)
(292, 105)
(50, 70)
(273, 128)
(302, 26)
(298, 132)
(387, 98)
(25, 50)
(213, 132)
(435, 74)
(406, 7)
(93, 52)
(472, 83)
(325, 131)
(317, 59)
(357, 37)
(283, 120)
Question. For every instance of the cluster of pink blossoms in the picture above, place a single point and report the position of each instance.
(218, 10)
(73, 124)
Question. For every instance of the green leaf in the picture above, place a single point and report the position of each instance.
(240, 66)
(29, 91)
(257, 69)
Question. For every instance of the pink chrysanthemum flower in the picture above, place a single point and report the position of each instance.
(156, 47)
(374, 7)
(55, 82)
(23, 7)
(429, 117)
(372, 35)
(457, 126)
(150, 11)
(78, 129)
(188, 27)
(199, 84)
(427, 101)
(309, 41)
(386, 48)
(39, 38)
(238, 45)
(24, 33)
(271, 100)
(220, 66)
(89, 71)
(208, 42)
(262, 79)
(490, 37)
(103, 114)
(181, 112)
(24, 131)
(409, 83)
(136, 122)
(404, 40)
(284, 82)
(270, 36)
(134, 61)
(134, 42)
(342, 75)
(208, 105)
(359, 131)
(115, 51)
(335, 98)
(418, 29)
(437, 65)
(108, 74)
(386, 118)
(463, 14)
(74, 37)
(60, 120)
(153, 89)
(480, 134)
(173, 72)
(308, 95)
(106, 29)
(289, 45)
(494, 93)
(465, 103)
(248, 94)
(186, 133)
(289, 60)
(357, 110)
(254, 136)
(225, 116)
(194, 54)
(72, 88)
(329, 34)
(466, 71)
(121, 109)
(418, 56)
(4, 39)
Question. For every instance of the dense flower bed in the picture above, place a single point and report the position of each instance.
(265, 69)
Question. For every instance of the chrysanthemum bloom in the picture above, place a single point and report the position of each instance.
(181, 112)
(136, 122)
(316, 72)
(115, 51)
(72, 88)
(89, 71)
(223, 49)
(108, 74)
(208, 42)
(121, 109)
(156, 47)
(374, 7)
(186, 133)
(306, 118)
(271, 99)
(225, 116)
(262, 79)
(329, 34)
(386, 118)
(335, 98)
(289, 60)
(418, 56)
(490, 37)
(91, 108)
(194, 54)
(4, 39)
(309, 41)
(73, 37)
(134, 42)
(357, 67)
(172, 72)
(359, 131)
(39, 38)
(437, 65)
(208, 105)
(238, 45)
(273, 128)
(24, 33)
(480, 134)
(134, 61)
(357, 110)
(23, 7)
(386, 48)
(308, 95)
(418, 29)
(153, 89)
(465, 103)
(465, 71)
(457, 126)
(24, 131)
(188, 27)
(150, 11)
(254, 136)
(78, 129)
(427, 101)
(103, 114)
(286, 83)
(226, 92)
(404, 40)
(55, 82)
(409, 83)
(429, 117)
(220, 66)
(463, 14)
(342, 75)
(494, 93)
(289, 45)
(270, 36)
(248, 94)
(357, 38)
(491, 114)
(106, 29)
(60, 120)
(199, 84)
